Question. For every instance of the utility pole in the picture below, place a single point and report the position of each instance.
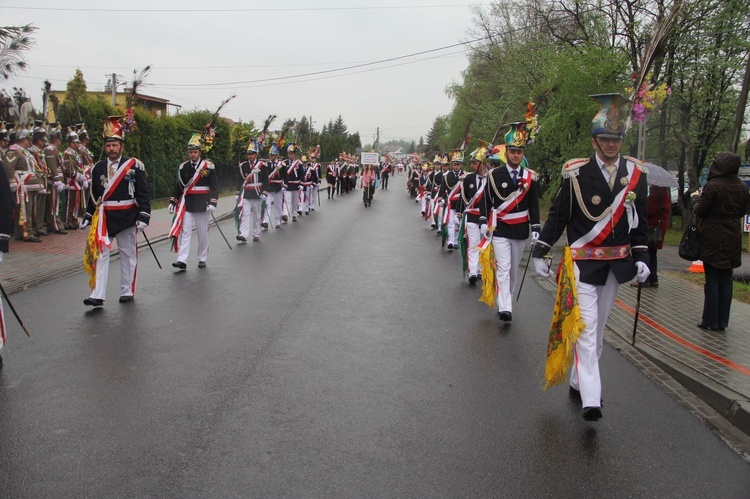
(377, 141)
(114, 89)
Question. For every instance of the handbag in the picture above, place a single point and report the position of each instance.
(655, 237)
(690, 244)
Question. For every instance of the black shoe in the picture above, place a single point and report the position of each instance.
(242, 238)
(33, 239)
(278, 226)
(422, 213)
(42, 233)
(709, 328)
(61, 231)
(256, 238)
(299, 213)
(294, 219)
(201, 265)
(264, 225)
(472, 280)
(126, 299)
(654, 284)
(93, 302)
(179, 265)
(505, 316)
(434, 226)
(285, 218)
(592, 413)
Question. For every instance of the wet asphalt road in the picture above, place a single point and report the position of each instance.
(342, 356)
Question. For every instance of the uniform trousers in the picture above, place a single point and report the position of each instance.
(292, 200)
(438, 215)
(472, 232)
(507, 259)
(275, 199)
(310, 198)
(595, 303)
(250, 207)
(198, 219)
(73, 205)
(425, 204)
(126, 245)
(454, 222)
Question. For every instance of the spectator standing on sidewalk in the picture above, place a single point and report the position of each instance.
(720, 206)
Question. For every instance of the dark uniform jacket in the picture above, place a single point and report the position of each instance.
(275, 172)
(450, 180)
(197, 202)
(478, 212)
(437, 181)
(293, 176)
(118, 220)
(311, 176)
(566, 212)
(253, 179)
(500, 185)
(331, 174)
(6, 210)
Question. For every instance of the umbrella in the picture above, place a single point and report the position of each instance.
(660, 177)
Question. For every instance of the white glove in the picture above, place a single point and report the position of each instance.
(263, 197)
(170, 208)
(85, 222)
(43, 191)
(210, 208)
(642, 272)
(1, 257)
(541, 268)
(85, 184)
(483, 230)
(59, 186)
(534, 236)
(141, 226)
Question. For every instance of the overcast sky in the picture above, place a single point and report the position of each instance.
(202, 52)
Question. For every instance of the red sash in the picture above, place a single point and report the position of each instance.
(603, 228)
(176, 228)
(102, 235)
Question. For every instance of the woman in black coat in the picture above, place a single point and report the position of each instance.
(721, 206)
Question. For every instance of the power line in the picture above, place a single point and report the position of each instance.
(327, 71)
(266, 9)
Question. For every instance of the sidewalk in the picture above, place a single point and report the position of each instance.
(713, 365)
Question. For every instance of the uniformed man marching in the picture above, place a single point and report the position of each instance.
(252, 193)
(27, 173)
(474, 208)
(602, 205)
(120, 207)
(275, 173)
(194, 198)
(450, 195)
(513, 198)
(293, 176)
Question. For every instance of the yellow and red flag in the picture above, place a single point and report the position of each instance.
(566, 324)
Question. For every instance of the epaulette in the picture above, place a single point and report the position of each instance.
(534, 175)
(570, 169)
(139, 165)
(209, 165)
(638, 164)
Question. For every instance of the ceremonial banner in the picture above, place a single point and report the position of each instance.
(566, 324)
(488, 266)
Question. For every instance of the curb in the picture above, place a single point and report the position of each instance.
(725, 401)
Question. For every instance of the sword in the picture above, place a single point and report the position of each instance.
(7, 299)
(637, 312)
(220, 231)
(151, 248)
(525, 269)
